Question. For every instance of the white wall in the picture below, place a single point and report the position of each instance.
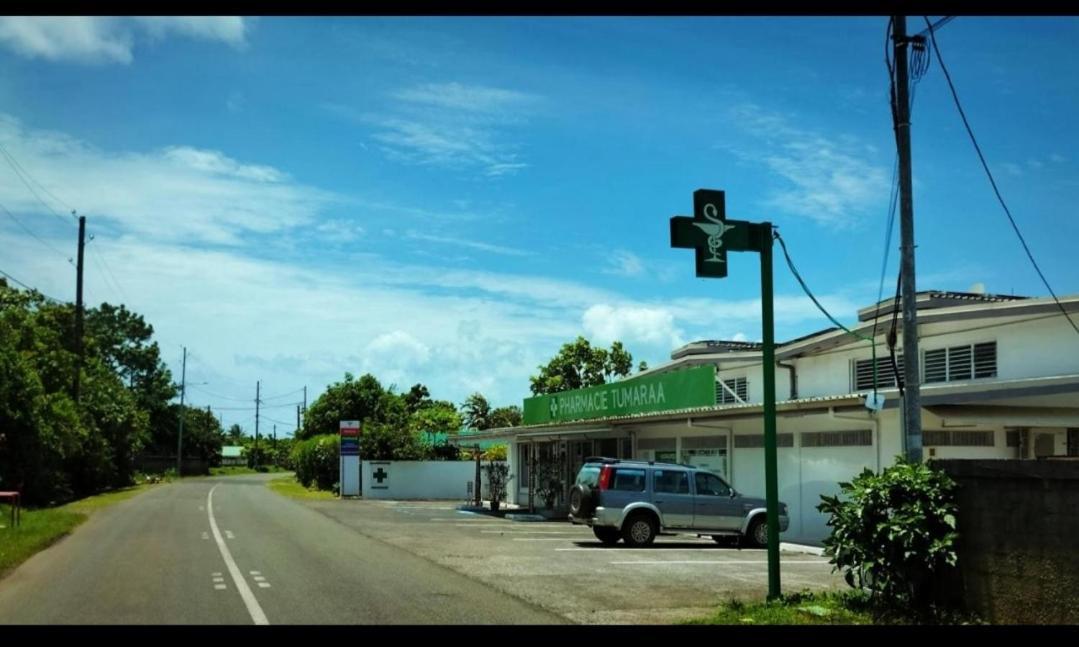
(418, 479)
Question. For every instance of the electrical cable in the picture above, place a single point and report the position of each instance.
(992, 181)
(35, 236)
(47, 297)
(15, 166)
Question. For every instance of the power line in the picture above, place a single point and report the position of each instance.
(15, 166)
(274, 397)
(54, 300)
(99, 260)
(35, 236)
(992, 181)
(217, 395)
(809, 293)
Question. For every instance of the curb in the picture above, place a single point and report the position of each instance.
(801, 548)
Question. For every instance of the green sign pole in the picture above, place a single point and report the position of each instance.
(771, 481)
(711, 235)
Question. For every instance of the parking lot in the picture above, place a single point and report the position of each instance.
(565, 569)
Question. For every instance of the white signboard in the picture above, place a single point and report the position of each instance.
(350, 458)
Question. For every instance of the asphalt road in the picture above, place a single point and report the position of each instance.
(230, 551)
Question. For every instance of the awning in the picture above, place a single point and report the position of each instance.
(1010, 416)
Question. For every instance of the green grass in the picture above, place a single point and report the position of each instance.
(827, 608)
(42, 527)
(798, 609)
(288, 486)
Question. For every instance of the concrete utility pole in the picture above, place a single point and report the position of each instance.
(297, 422)
(180, 437)
(912, 400)
(275, 445)
(79, 308)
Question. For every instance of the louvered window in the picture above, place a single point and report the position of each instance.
(836, 438)
(959, 363)
(956, 438)
(736, 384)
(742, 441)
(862, 377)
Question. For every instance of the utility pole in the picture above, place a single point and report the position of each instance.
(257, 402)
(297, 421)
(79, 307)
(275, 445)
(180, 437)
(912, 405)
(305, 400)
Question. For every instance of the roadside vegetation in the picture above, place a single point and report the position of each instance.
(893, 536)
(40, 528)
(287, 486)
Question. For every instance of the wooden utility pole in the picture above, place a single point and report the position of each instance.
(180, 436)
(79, 309)
(912, 399)
(257, 402)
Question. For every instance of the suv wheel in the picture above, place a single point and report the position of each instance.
(581, 501)
(608, 536)
(757, 534)
(639, 530)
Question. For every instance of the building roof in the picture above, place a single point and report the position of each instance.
(232, 451)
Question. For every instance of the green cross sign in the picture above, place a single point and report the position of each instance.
(711, 234)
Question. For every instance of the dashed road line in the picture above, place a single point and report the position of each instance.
(228, 533)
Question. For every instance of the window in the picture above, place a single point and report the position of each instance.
(671, 482)
(862, 373)
(956, 363)
(1073, 442)
(1013, 437)
(589, 475)
(628, 480)
(957, 438)
(837, 438)
(757, 440)
(523, 452)
(736, 384)
(711, 485)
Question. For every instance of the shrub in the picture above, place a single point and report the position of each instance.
(498, 478)
(892, 532)
(496, 453)
(316, 461)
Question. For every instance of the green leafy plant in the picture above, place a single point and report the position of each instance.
(893, 532)
(548, 483)
(498, 478)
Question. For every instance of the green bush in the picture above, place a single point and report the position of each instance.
(496, 453)
(893, 532)
(315, 461)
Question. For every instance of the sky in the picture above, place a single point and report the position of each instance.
(449, 200)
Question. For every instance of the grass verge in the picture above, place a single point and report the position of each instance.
(288, 486)
(238, 469)
(42, 527)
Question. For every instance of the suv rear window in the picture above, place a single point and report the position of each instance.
(628, 480)
(589, 475)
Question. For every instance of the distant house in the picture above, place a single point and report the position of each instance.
(232, 455)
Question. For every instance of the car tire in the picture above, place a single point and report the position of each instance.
(757, 534)
(609, 536)
(581, 501)
(639, 529)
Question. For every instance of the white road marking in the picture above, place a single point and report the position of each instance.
(220, 587)
(720, 561)
(228, 533)
(531, 532)
(205, 535)
(219, 580)
(264, 585)
(255, 572)
(252, 604)
(259, 578)
(541, 539)
(201, 508)
(216, 574)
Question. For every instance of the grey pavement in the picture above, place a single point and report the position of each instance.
(155, 559)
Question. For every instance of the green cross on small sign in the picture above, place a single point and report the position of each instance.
(380, 475)
(711, 234)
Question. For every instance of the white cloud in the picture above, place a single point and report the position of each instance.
(623, 263)
(178, 192)
(398, 348)
(830, 179)
(474, 244)
(88, 39)
(472, 98)
(648, 325)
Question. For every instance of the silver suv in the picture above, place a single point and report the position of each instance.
(636, 500)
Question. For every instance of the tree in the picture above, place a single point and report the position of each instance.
(234, 435)
(417, 398)
(440, 417)
(578, 365)
(364, 399)
(477, 412)
(506, 417)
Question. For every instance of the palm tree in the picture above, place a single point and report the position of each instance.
(477, 412)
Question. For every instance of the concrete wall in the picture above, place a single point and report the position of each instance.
(418, 479)
(1018, 550)
(1026, 347)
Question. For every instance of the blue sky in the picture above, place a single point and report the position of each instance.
(447, 200)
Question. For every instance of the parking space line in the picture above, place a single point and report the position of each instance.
(718, 561)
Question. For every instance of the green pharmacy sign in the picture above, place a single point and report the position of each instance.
(683, 389)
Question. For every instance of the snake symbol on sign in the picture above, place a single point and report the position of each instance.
(715, 231)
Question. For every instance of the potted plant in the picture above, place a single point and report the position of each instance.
(549, 486)
(498, 478)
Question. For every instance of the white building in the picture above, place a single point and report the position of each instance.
(1000, 379)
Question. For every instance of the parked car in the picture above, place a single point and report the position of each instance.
(636, 500)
